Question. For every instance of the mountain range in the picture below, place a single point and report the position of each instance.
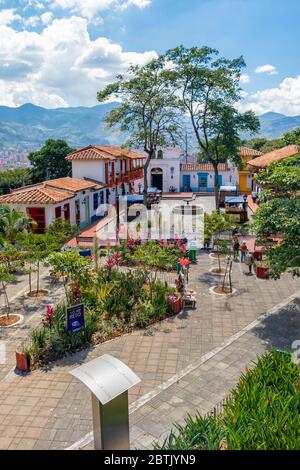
(27, 127)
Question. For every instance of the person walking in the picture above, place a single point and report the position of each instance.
(236, 249)
(249, 260)
(244, 250)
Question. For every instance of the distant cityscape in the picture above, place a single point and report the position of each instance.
(12, 159)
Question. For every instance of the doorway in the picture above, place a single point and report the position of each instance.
(157, 178)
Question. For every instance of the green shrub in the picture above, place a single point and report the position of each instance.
(263, 412)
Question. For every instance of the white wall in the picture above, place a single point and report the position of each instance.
(166, 165)
(89, 169)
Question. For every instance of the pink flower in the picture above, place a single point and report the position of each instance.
(117, 257)
(49, 309)
(171, 298)
(48, 316)
(161, 242)
(110, 263)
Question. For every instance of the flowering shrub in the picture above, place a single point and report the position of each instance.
(172, 298)
(47, 319)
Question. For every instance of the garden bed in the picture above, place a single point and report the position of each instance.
(218, 271)
(38, 293)
(217, 257)
(262, 413)
(157, 255)
(116, 303)
(10, 320)
(219, 290)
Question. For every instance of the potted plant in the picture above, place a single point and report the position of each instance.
(23, 360)
(175, 303)
(262, 271)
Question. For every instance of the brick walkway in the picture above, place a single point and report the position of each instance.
(49, 409)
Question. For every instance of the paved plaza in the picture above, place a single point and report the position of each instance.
(186, 363)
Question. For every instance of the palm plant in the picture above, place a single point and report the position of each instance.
(13, 222)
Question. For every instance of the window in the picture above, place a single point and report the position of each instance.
(101, 197)
(160, 154)
(95, 201)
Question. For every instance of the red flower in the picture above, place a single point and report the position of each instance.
(268, 402)
(110, 263)
(117, 257)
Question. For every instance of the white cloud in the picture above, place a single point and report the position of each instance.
(137, 3)
(91, 8)
(31, 21)
(283, 99)
(270, 69)
(8, 16)
(47, 17)
(61, 66)
(244, 78)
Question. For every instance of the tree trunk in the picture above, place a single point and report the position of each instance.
(30, 281)
(6, 299)
(224, 278)
(38, 277)
(230, 280)
(217, 188)
(146, 166)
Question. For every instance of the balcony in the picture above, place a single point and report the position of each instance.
(127, 177)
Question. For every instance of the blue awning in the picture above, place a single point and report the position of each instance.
(134, 198)
(234, 200)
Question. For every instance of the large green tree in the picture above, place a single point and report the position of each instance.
(149, 109)
(264, 145)
(12, 179)
(50, 161)
(209, 89)
(279, 214)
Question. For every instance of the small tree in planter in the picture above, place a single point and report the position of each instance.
(74, 270)
(12, 256)
(38, 247)
(215, 224)
(5, 277)
(223, 250)
(152, 260)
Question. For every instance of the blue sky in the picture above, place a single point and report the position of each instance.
(60, 52)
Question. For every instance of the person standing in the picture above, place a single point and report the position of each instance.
(244, 250)
(249, 260)
(236, 248)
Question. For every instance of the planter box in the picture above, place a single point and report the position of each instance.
(262, 272)
(22, 361)
(177, 306)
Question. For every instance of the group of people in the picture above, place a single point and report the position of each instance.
(241, 251)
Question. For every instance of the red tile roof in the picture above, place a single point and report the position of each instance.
(202, 167)
(274, 156)
(35, 195)
(247, 152)
(73, 184)
(103, 152)
(49, 192)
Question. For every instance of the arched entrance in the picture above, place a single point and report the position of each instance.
(157, 178)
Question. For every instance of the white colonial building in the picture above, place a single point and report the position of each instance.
(99, 173)
(172, 171)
